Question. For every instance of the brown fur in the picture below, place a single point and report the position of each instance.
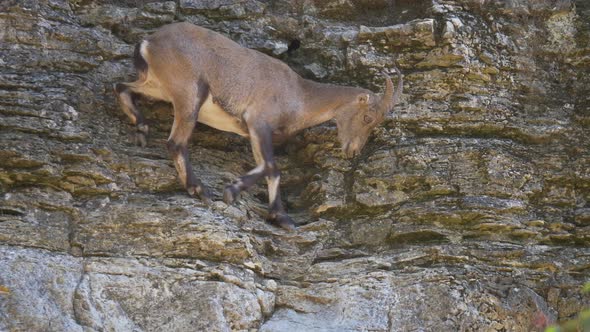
(248, 93)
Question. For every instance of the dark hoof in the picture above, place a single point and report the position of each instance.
(230, 194)
(207, 201)
(140, 139)
(202, 192)
(283, 221)
(141, 133)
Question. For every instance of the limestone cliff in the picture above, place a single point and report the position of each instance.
(469, 209)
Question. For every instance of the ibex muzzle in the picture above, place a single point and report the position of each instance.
(211, 79)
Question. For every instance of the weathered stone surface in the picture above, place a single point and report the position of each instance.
(418, 33)
(76, 294)
(227, 9)
(467, 210)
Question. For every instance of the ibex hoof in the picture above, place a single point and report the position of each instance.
(141, 132)
(202, 192)
(140, 139)
(282, 220)
(207, 200)
(230, 194)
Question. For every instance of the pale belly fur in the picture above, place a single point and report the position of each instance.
(214, 116)
(210, 113)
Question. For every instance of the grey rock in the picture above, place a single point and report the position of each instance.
(418, 33)
(231, 9)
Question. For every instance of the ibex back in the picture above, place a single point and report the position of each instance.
(211, 79)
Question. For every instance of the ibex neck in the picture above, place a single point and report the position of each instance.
(323, 100)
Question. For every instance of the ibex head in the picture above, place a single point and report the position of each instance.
(356, 120)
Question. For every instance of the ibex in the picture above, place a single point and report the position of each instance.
(213, 80)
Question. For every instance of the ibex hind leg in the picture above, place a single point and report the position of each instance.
(127, 94)
(186, 112)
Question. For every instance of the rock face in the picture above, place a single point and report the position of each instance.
(468, 210)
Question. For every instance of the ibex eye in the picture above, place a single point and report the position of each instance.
(368, 119)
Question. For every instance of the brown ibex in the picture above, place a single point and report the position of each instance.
(211, 79)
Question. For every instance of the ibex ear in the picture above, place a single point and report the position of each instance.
(363, 98)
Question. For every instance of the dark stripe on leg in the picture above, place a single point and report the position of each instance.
(179, 154)
(120, 87)
(185, 119)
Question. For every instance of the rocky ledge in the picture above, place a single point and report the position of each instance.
(468, 209)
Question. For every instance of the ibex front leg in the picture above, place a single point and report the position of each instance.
(261, 140)
(185, 118)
